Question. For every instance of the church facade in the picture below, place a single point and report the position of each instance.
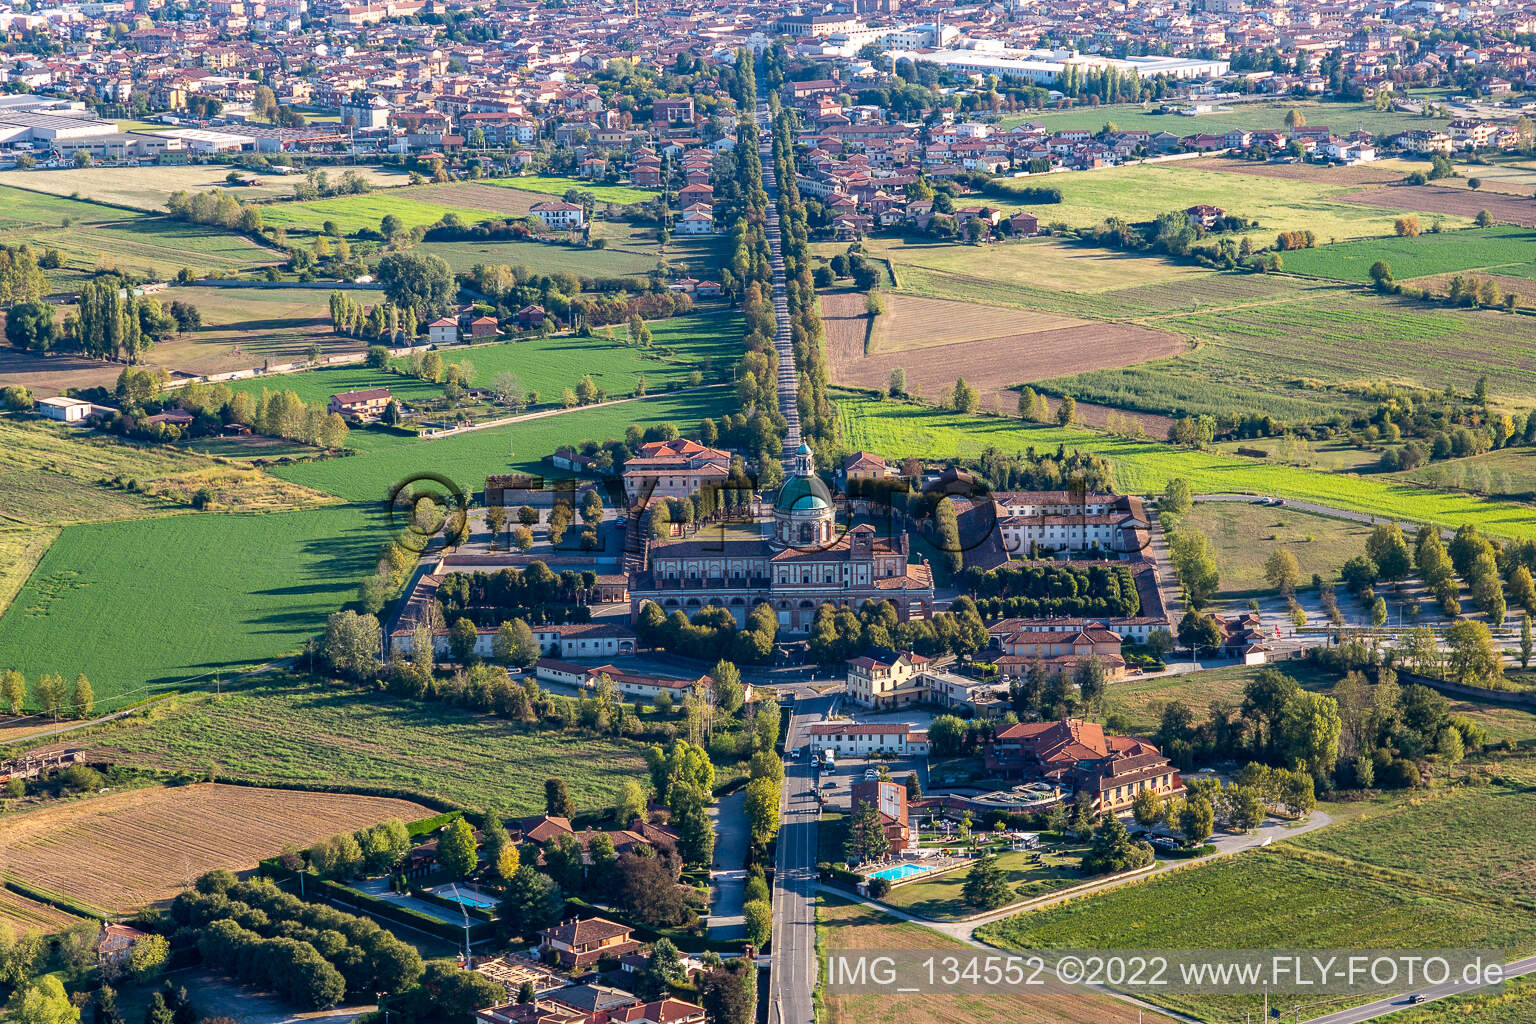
(802, 561)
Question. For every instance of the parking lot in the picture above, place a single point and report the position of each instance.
(835, 786)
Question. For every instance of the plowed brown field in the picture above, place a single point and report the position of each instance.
(1458, 202)
(121, 851)
(1359, 174)
(22, 914)
(992, 347)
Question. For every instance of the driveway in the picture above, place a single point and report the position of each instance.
(729, 879)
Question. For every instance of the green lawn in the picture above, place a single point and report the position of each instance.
(898, 429)
(141, 606)
(468, 458)
(281, 729)
(1503, 249)
(1279, 897)
(1142, 191)
(940, 899)
(558, 186)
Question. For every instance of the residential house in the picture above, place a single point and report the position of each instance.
(363, 404)
(578, 944)
(889, 799)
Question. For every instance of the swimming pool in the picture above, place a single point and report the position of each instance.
(897, 872)
(467, 899)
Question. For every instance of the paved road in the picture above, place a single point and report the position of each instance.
(1395, 1004)
(793, 975)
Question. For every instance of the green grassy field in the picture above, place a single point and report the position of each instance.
(1281, 897)
(1342, 118)
(468, 458)
(148, 188)
(1503, 249)
(1290, 358)
(1244, 536)
(91, 236)
(281, 729)
(900, 430)
(623, 195)
(140, 606)
(549, 259)
(1512, 1003)
(1141, 192)
(1478, 840)
(705, 341)
(353, 213)
(1509, 471)
(1140, 701)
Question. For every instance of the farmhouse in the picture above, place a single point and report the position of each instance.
(443, 331)
(559, 214)
(645, 686)
(68, 410)
(114, 948)
(861, 739)
(361, 404)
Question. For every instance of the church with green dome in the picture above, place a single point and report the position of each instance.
(804, 558)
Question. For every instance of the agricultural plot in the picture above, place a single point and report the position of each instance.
(1245, 535)
(899, 430)
(279, 729)
(22, 915)
(1514, 1002)
(520, 447)
(20, 551)
(124, 851)
(622, 195)
(842, 926)
(1047, 264)
(55, 476)
(1445, 252)
(1140, 192)
(355, 213)
(151, 605)
(1296, 360)
(1381, 172)
(148, 188)
(1509, 472)
(1341, 118)
(1440, 200)
(1140, 701)
(709, 342)
(993, 347)
(1280, 897)
(245, 327)
(1477, 840)
(546, 257)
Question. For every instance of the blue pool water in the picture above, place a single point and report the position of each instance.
(897, 872)
(467, 899)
